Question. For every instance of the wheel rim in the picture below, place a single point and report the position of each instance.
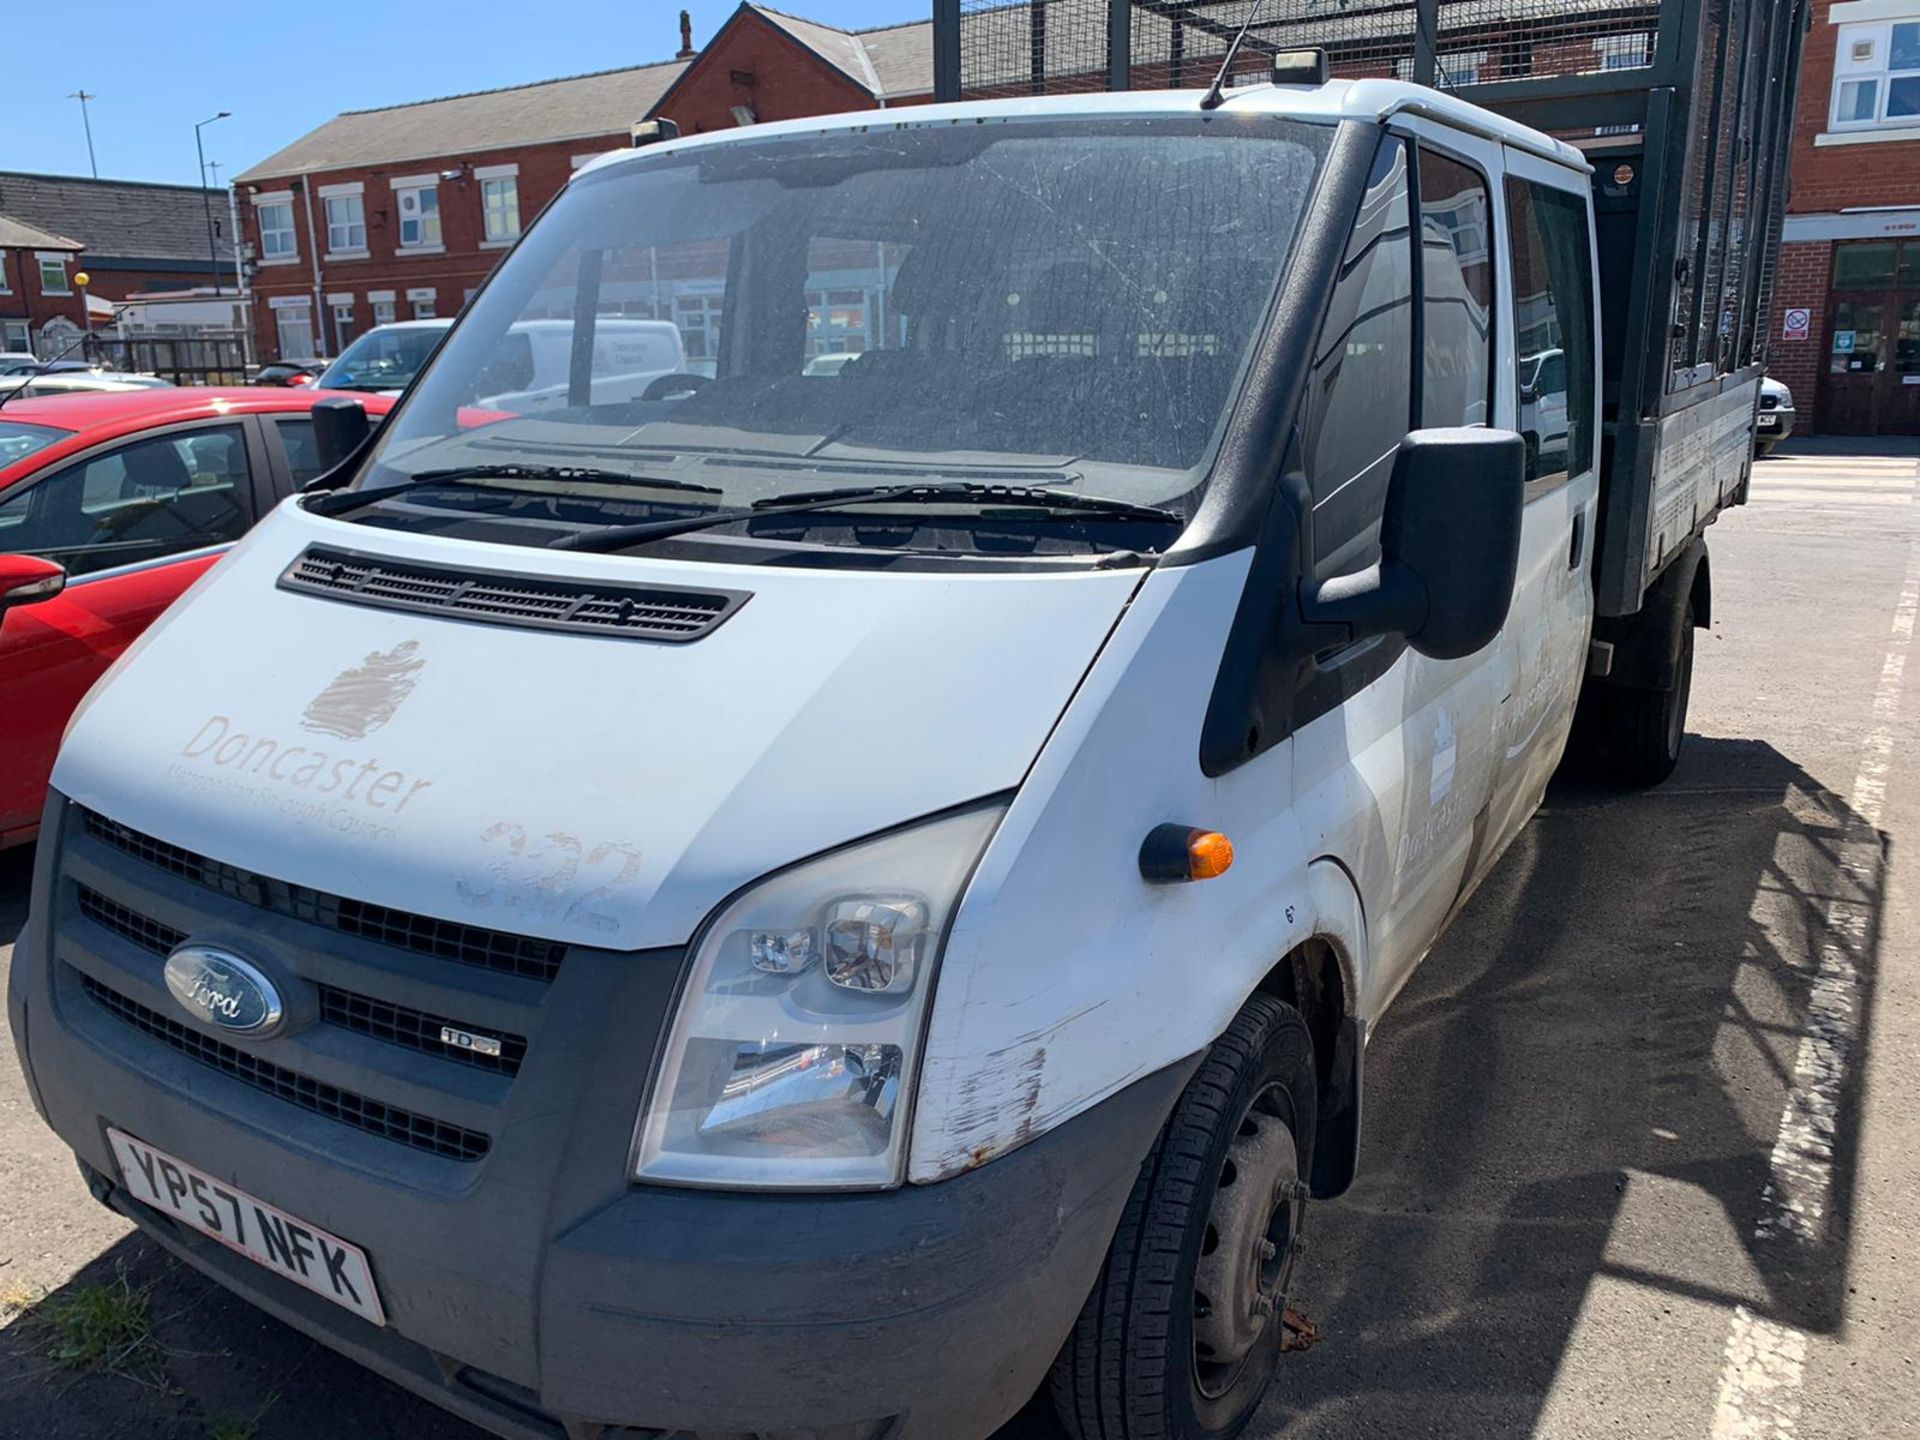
(1247, 1254)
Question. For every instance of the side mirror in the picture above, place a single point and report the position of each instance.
(340, 427)
(1449, 547)
(28, 579)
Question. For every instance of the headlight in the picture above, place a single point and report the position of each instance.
(794, 1050)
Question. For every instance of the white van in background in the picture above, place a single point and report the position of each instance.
(531, 370)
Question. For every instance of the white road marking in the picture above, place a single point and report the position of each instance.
(1761, 1375)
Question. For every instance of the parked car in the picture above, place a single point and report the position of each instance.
(532, 368)
(289, 372)
(110, 505)
(18, 362)
(78, 382)
(385, 359)
(1775, 422)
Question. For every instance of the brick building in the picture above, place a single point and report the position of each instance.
(36, 286)
(1846, 320)
(412, 205)
(140, 238)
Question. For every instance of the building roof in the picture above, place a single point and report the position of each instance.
(892, 60)
(18, 235)
(889, 60)
(578, 107)
(127, 220)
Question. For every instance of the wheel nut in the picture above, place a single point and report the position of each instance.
(1268, 1249)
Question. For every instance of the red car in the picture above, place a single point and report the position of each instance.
(110, 506)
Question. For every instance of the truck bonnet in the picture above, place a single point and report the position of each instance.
(584, 788)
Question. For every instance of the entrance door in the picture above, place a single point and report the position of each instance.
(1872, 380)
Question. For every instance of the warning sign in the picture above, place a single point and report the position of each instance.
(1799, 325)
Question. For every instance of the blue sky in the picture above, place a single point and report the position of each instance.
(283, 66)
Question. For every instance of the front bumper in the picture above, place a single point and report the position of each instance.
(536, 1291)
(1772, 427)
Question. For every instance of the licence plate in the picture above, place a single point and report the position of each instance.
(265, 1234)
(1769, 422)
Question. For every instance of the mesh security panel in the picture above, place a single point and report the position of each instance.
(1061, 46)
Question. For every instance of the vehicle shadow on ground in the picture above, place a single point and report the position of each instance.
(1620, 1007)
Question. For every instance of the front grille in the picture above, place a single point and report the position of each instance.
(421, 1132)
(399, 1025)
(633, 612)
(142, 930)
(396, 1024)
(421, 934)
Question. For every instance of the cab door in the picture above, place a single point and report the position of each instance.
(1550, 392)
(1396, 755)
(134, 522)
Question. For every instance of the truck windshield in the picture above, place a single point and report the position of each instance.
(1023, 303)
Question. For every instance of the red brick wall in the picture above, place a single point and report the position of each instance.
(1801, 284)
(461, 266)
(789, 82)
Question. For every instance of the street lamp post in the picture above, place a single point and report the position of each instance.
(206, 199)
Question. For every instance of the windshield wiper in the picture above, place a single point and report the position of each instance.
(619, 537)
(346, 501)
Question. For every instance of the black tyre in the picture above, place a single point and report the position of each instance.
(1179, 1339)
(1643, 730)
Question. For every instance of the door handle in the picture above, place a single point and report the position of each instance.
(1579, 539)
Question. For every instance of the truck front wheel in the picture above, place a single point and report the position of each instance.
(1180, 1337)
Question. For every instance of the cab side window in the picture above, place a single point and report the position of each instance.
(1456, 309)
(1359, 394)
(1553, 328)
(141, 501)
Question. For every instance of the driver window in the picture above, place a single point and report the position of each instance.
(153, 497)
(1359, 396)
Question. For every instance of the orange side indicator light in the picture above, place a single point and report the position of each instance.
(1175, 854)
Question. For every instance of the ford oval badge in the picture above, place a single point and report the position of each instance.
(220, 988)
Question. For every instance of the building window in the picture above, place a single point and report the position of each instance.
(346, 224)
(1876, 75)
(500, 200)
(16, 336)
(419, 207)
(424, 302)
(383, 312)
(276, 231)
(4, 288)
(53, 275)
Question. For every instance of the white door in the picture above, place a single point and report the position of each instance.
(295, 327)
(1547, 295)
(1396, 755)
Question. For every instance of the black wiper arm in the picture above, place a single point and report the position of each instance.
(345, 501)
(619, 537)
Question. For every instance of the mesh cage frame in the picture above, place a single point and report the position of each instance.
(1010, 48)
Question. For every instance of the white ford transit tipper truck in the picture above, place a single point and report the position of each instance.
(800, 904)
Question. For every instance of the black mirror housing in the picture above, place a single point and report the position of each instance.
(1449, 547)
(340, 427)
